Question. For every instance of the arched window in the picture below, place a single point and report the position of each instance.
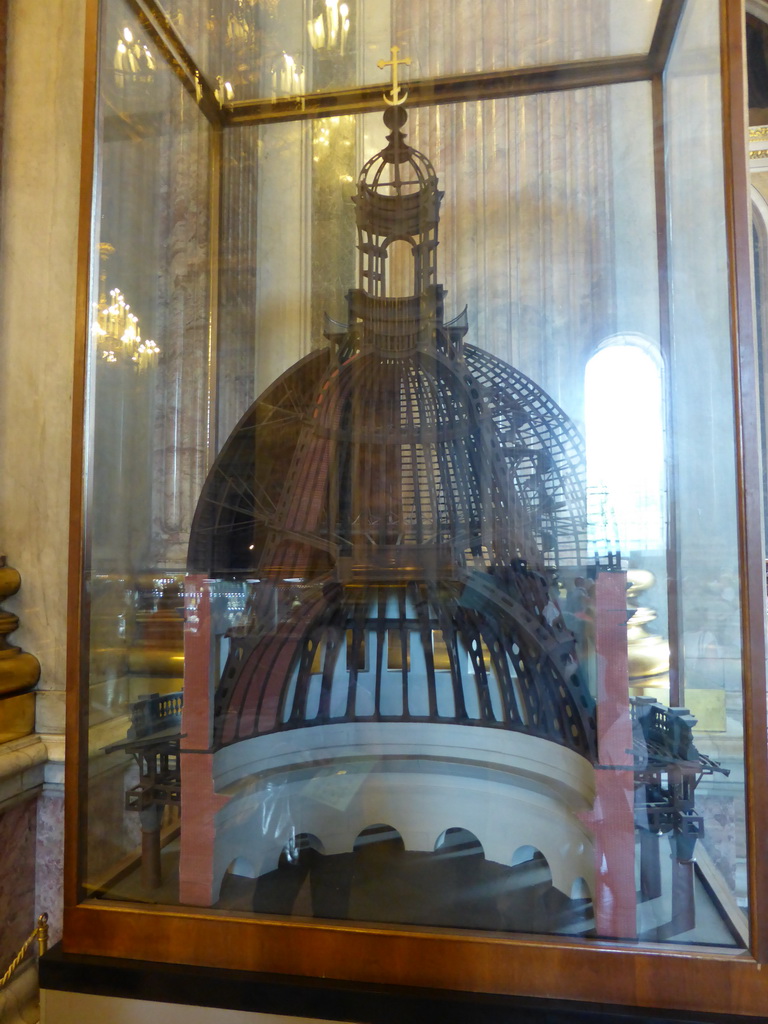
(400, 268)
(624, 420)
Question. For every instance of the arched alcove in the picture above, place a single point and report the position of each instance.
(624, 426)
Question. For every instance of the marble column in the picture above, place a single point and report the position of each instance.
(49, 864)
(527, 222)
(182, 412)
(238, 263)
(38, 241)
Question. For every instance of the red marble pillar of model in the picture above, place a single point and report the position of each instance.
(199, 802)
(612, 819)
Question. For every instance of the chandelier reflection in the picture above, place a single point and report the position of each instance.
(243, 21)
(288, 76)
(329, 30)
(118, 336)
(133, 60)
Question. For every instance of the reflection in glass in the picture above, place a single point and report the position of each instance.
(148, 384)
(625, 447)
(336, 44)
(405, 677)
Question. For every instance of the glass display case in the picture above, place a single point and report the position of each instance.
(419, 572)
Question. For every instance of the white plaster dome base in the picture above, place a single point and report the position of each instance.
(509, 790)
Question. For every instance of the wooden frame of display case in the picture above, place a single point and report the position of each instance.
(685, 978)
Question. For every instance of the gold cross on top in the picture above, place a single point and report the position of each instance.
(398, 95)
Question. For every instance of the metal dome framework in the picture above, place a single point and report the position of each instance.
(249, 491)
(399, 502)
(397, 199)
(467, 652)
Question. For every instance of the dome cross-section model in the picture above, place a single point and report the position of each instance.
(395, 509)
(402, 497)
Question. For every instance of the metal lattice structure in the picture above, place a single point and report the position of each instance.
(402, 500)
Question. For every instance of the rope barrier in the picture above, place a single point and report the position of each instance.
(41, 935)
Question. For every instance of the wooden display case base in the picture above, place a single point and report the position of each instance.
(255, 997)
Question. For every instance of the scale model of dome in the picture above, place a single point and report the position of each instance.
(399, 503)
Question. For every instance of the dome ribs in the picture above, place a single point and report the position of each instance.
(404, 500)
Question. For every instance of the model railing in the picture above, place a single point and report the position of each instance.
(156, 713)
(665, 736)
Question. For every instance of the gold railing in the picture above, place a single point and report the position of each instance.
(40, 934)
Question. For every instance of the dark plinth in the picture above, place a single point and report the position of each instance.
(331, 1000)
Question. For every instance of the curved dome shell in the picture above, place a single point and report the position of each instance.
(403, 495)
(404, 511)
(456, 461)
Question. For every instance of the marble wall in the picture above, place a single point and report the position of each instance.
(40, 200)
(49, 867)
(38, 250)
(18, 834)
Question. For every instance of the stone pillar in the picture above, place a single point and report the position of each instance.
(183, 409)
(527, 225)
(613, 819)
(199, 801)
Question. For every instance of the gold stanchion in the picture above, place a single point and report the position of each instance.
(41, 935)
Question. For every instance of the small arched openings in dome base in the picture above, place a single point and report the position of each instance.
(459, 842)
(242, 867)
(531, 860)
(379, 878)
(303, 845)
(381, 836)
(524, 854)
(580, 890)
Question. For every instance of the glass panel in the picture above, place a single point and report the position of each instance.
(272, 48)
(704, 552)
(757, 76)
(148, 413)
(432, 637)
